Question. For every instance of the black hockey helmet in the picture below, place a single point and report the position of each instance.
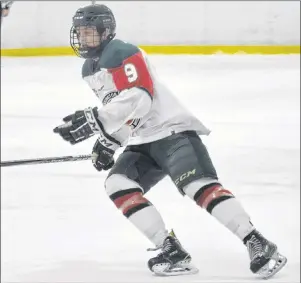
(93, 28)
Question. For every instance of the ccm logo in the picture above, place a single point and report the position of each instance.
(92, 121)
(185, 176)
(104, 142)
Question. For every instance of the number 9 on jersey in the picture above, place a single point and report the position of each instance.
(131, 72)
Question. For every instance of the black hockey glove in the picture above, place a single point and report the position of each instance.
(80, 126)
(103, 152)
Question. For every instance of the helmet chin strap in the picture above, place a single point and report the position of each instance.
(102, 46)
(105, 35)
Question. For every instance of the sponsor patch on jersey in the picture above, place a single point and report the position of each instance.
(98, 91)
(134, 123)
(109, 97)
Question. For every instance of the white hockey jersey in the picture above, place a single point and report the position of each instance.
(137, 107)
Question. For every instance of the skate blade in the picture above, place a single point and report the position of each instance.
(276, 263)
(181, 268)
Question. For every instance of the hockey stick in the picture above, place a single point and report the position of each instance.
(45, 160)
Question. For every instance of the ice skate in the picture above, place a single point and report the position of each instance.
(173, 259)
(266, 261)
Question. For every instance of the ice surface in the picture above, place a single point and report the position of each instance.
(57, 223)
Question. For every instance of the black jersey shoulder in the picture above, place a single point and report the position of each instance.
(112, 57)
(116, 52)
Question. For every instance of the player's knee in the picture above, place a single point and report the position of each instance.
(119, 182)
(126, 194)
(207, 193)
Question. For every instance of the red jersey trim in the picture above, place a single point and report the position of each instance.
(133, 73)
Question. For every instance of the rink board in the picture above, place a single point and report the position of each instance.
(167, 50)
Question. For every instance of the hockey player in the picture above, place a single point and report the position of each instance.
(162, 138)
(5, 8)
